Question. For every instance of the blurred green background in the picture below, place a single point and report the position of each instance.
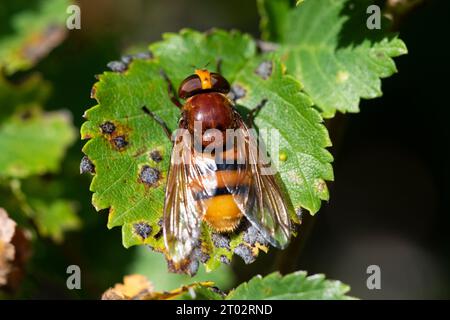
(388, 205)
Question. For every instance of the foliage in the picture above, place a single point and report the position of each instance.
(328, 47)
(33, 141)
(303, 73)
(294, 286)
(32, 34)
(122, 137)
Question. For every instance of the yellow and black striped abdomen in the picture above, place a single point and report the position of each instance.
(218, 189)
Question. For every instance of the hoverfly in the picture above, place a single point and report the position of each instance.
(206, 187)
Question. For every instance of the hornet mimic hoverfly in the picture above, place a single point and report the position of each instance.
(216, 175)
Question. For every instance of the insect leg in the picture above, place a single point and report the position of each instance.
(159, 121)
(171, 90)
(219, 65)
(252, 113)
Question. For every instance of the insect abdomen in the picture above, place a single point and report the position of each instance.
(222, 213)
(217, 191)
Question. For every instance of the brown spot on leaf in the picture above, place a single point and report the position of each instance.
(120, 142)
(264, 70)
(158, 234)
(149, 175)
(245, 252)
(237, 92)
(253, 236)
(204, 257)
(142, 229)
(221, 240)
(266, 46)
(143, 55)
(156, 156)
(116, 134)
(86, 166)
(107, 127)
(224, 260)
(117, 66)
(299, 213)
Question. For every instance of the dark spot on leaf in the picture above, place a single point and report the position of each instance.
(264, 70)
(143, 55)
(126, 59)
(237, 92)
(221, 240)
(156, 156)
(86, 165)
(266, 46)
(120, 142)
(158, 234)
(199, 255)
(149, 175)
(224, 260)
(299, 213)
(252, 236)
(380, 55)
(117, 66)
(218, 291)
(203, 257)
(108, 127)
(143, 229)
(245, 252)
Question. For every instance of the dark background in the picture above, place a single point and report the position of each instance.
(388, 203)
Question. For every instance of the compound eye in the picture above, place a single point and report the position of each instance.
(190, 86)
(219, 83)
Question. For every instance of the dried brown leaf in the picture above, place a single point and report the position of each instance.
(14, 252)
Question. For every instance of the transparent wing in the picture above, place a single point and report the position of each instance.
(262, 201)
(187, 187)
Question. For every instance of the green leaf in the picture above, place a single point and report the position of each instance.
(199, 291)
(179, 54)
(43, 139)
(54, 218)
(122, 137)
(303, 138)
(294, 286)
(122, 153)
(328, 47)
(33, 34)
